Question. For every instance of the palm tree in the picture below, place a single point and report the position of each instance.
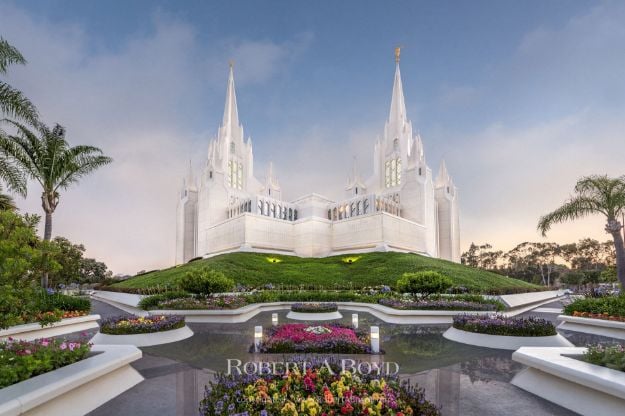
(595, 194)
(12, 102)
(46, 157)
(6, 202)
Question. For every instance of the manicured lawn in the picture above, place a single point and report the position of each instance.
(371, 269)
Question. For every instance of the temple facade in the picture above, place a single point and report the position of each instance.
(401, 207)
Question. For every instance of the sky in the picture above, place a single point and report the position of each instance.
(519, 98)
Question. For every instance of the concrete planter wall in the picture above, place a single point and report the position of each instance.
(75, 389)
(503, 342)
(143, 340)
(612, 329)
(30, 332)
(314, 316)
(245, 313)
(584, 388)
(127, 302)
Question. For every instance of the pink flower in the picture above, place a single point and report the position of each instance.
(44, 343)
(27, 352)
(63, 346)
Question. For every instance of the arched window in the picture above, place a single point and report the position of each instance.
(358, 208)
(392, 172)
(396, 144)
(232, 147)
(365, 206)
(260, 207)
(330, 214)
(210, 174)
(273, 211)
(420, 173)
(290, 214)
(295, 215)
(334, 214)
(266, 210)
(356, 190)
(235, 174)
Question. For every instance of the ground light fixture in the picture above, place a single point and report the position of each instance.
(355, 320)
(274, 319)
(258, 337)
(375, 339)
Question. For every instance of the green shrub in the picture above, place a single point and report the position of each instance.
(611, 356)
(205, 282)
(423, 283)
(611, 305)
(45, 302)
(152, 302)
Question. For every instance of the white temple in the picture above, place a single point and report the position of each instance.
(401, 207)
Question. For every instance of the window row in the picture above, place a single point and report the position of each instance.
(276, 210)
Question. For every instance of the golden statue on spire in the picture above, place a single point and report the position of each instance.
(397, 52)
(231, 63)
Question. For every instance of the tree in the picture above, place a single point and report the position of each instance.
(481, 257)
(75, 268)
(22, 257)
(12, 102)
(595, 195)
(46, 157)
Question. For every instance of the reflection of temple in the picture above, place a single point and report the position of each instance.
(400, 207)
(442, 387)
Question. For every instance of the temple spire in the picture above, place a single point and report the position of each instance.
(443, 177)
(398, 105)
(231, 113)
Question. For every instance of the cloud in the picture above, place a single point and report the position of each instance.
(135, 102)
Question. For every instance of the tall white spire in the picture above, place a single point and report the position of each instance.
(398, 105)
(443, 177)
(190, 179)
(231, 113)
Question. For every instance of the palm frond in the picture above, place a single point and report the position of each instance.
(574, 208)
(9, 55)
(15, 104)
(12, 176)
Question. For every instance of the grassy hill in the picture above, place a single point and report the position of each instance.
(371, 269)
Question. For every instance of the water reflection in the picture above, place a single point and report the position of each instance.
(454, 376)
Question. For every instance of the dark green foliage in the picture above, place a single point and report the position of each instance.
(314, 307)
(611, 305)
(151, 302)
(74, 267)
(45, 302)
(372, 269)
(424, 283)
(205, 282)
(610, 356)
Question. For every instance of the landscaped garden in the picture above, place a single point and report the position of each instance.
(314, 307)
(129, 325)
(305, 338)
(318, 390)
(610, 308)
(254, 270)
(610, 356)
(21, 360)
(501, 325)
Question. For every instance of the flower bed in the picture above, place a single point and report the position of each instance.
(123, 325)
(604, 316)
(317, 391)
(303, 338)
(438, 304)
(501, 325)
(610, 356)
(21, 360)
(608, 307)
(314, 307)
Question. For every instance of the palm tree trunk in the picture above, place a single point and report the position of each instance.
(47, 233)
(47, 236)
(614, 227)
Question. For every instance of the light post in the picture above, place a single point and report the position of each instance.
(375, 339)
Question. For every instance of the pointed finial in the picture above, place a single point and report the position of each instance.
(397, 52)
